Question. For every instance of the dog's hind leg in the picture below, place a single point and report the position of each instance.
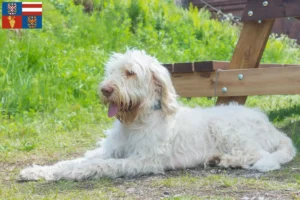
(234, 149)
(257, 159)
(238, 159)
(260, 160)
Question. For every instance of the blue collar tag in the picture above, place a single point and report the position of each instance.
(157, 106)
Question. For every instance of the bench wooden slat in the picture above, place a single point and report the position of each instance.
(211, 66)
(255, 82)
(274, 9)
(183, 68)
(169, 67)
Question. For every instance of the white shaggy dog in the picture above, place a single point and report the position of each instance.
(154, 133)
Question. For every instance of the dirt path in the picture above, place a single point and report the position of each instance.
(197, 183)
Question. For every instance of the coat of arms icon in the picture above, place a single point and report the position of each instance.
(12, 8)
(32, 21)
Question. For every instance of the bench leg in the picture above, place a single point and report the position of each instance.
(248, 51)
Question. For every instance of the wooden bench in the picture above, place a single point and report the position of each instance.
(244, 75)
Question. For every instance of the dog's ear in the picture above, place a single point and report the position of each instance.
(162, 79)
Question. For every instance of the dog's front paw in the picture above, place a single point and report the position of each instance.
(36, 172)
(30, 173)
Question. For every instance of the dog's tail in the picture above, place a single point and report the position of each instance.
(284, 153)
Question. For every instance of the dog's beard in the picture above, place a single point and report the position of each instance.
(129, 115)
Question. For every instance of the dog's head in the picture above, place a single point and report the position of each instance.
(134, 83)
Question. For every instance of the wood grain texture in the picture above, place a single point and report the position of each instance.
(263, 81)
(194, 84)
(255, 82)
(249, 50)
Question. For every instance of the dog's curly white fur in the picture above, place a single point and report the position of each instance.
(154, 133)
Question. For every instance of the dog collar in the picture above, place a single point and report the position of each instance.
(157, 106)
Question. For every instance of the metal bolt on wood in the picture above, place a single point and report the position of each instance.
(259, 21)
(265, 3)
(250, 13)
(240, 76)
(224, 89)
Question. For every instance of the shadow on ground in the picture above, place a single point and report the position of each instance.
(282, 113)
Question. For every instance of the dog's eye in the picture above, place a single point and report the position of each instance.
(129, 73)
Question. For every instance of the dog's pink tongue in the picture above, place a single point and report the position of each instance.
(112, 110)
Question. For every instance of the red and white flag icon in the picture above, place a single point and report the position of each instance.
(32, 8)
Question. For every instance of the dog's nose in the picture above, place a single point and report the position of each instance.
(107, 91)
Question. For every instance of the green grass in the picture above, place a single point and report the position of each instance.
(49, 107)
(223, 181)
(102, 189)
